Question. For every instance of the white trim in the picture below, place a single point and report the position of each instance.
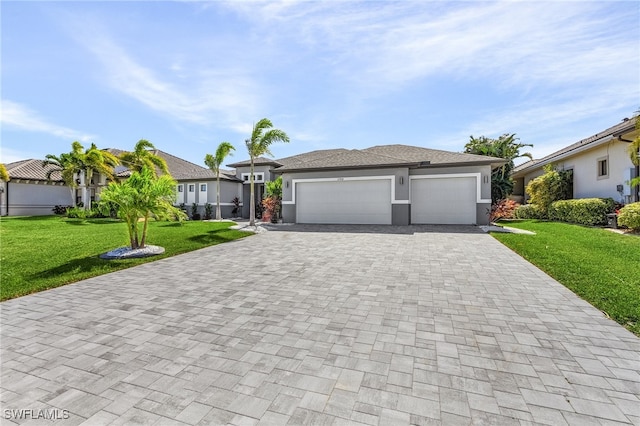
(478, 177)
(341, 179)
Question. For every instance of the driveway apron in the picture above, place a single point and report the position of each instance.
(320, 325)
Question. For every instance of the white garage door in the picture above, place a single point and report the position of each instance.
(447, 200)
(344, 202)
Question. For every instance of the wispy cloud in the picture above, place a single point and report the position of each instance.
(205, 96)
(18, 116)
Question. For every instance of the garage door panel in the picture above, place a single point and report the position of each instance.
(447, 200)
(344, 202)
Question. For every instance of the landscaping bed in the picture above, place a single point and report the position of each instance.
(39, 253)
(601, 267)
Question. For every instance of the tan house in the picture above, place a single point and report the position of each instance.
(600, 166)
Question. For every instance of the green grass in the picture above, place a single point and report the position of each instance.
(600, 266)
(38, 253)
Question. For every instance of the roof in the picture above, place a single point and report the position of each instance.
(382, 156)
(32, 169)
(178, 168)
(619, 129)
(259, 161)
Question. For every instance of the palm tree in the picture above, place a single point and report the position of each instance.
(68, 166)
(506, 147)
(143, 156)
(261, 138)
(94, 160)
(214, 163)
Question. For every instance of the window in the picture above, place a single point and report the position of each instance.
(192, 188)
(603, 167)
(203, 187)
(257, 177)
(180, 188)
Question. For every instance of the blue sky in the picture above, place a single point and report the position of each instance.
(188, 75)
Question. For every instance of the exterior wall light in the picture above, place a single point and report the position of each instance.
(401, 180)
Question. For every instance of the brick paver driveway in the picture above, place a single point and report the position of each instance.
(324, 325)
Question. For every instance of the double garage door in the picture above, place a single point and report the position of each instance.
(441, 200)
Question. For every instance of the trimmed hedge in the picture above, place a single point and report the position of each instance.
(529, 211)
(629, 216)
(583, 211)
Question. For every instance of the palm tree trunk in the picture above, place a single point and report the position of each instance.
(218, 213)
(143, 241)
(252, 202)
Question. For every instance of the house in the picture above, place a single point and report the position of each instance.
(600, 165)
(390, 184)
(197, 184)
(29, 192)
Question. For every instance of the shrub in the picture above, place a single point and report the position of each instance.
(552, 186)
(236, 207)
(208, 209)
(529, 211)
(59, 209)
(77, 213)
(503, 209)
(194, 212)
(584, 211)
(629, 216)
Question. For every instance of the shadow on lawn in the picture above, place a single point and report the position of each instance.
(86, 265)
(216, 236)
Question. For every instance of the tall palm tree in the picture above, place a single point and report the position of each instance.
(68, 166)
(141, 156)
(94, 160)
(214, 162)
(262, 136)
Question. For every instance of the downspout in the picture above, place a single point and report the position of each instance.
(6, 194)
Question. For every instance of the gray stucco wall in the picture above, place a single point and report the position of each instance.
(228, 191)
(30, 199)
(401, 213)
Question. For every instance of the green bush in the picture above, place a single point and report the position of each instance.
(629, 216)
(583, 211)
(529, 211)
(552, 186)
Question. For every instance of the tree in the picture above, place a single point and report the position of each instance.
(214, 162)
(142, 156)
(262, 137)
(142, 195)
(69, 167)
(4, 175)
(506, 147)
(634, 153)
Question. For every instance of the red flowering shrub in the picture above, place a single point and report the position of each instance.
(503, 209)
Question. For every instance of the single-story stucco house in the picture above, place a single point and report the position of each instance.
(600, 165)
(390, 184)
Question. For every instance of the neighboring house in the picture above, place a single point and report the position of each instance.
(29, 192)
(390, 184)
(600, 165)
(196, 184)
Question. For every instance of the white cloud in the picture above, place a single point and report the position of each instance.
(18, 116)
(9, 155)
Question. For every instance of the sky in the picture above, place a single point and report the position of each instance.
(188, 75)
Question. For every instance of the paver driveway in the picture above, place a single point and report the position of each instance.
(324, 325)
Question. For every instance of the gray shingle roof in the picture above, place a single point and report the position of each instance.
(31, 169)
(259, 161)
(182, 169)
(623, 127)
(381, 156)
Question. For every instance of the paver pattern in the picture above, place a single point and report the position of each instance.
(322, 325)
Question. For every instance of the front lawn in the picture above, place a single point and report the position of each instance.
(38, 253)
(600, 266)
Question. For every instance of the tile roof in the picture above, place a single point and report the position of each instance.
(381, 156)
(623, 127)
(32, 169)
